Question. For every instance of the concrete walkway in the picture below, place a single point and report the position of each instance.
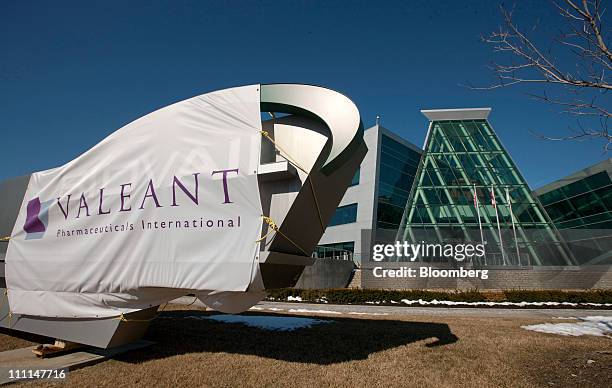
(356, 310)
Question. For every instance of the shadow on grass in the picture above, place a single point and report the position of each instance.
(343, 339)
(35, 338)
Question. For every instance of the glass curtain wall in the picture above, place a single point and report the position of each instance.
(398, 166)
(468, 189)
(582, 211)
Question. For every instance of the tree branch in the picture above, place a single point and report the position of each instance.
(585, 81)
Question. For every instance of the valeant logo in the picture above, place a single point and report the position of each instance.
(37, 218)
(37, 212)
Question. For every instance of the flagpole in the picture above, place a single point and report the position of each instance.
(509, 204)
(478, 215)
(501, 242)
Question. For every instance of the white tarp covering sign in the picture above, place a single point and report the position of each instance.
(168, 203)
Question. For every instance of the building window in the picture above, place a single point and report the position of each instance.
(344, 215)
(355, 180)
(398, 165)
(341, 250)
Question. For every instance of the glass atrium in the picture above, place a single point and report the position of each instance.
(469, 190)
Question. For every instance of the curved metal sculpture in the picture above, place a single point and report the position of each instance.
(334, 109)
(322, 128)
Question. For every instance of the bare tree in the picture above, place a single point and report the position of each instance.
(580, 85)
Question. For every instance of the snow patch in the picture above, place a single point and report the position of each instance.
(435, 302)
(596, 325)
(313, 311)
(266, 322)
(360, 313)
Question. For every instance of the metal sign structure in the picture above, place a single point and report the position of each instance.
(310, 151)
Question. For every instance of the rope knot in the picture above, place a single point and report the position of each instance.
(270, 222)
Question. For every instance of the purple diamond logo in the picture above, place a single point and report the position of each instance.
(33, 223)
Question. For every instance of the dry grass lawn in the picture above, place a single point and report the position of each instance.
(352, 352)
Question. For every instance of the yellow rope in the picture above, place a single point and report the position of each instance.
(160, 311)
(286, 154)
(271, 224)
(122, 318)
(296, 164)
(194, 300)
(5, 238)
(314, 195)
(274, 227)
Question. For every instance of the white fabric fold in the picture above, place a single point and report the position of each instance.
(166, 205)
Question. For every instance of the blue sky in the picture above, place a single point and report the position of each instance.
(73, 72)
